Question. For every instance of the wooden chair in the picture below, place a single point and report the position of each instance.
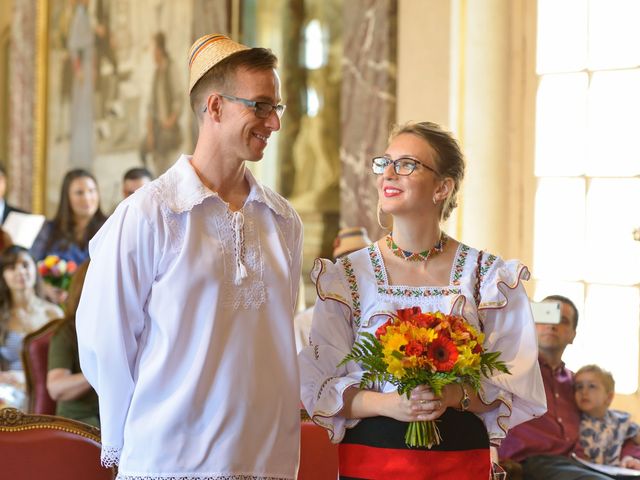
(47, 447)
(35, 360)
(318, 456)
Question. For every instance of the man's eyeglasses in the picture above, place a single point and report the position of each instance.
(402, 165)
(261, 109)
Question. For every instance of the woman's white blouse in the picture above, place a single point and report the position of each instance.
(355, 297)
(185, 330)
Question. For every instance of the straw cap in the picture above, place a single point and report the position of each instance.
(349, 240)
(208, 51)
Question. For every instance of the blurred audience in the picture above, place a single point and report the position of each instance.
(22, 311)
(133, 179)
(347, 241)
(65, 382)
(77, 220)
(543, 446)
(603, 431)
(5, 208)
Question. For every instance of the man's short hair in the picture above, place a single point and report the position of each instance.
(563, 299)
(137, 173)
(3, 171)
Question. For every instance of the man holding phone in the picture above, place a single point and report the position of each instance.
(544, 445)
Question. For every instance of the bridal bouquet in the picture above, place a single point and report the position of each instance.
(56, 271)
(414, 348)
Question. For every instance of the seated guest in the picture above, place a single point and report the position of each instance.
(5, 208)
(603, 431)
(133, 179)
(22, 311)
(348, 240)
(544, 445)
(77, 220)
(65, 382)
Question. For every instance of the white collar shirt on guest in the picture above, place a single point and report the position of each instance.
(185, 330)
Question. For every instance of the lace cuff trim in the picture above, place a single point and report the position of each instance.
(199, 477)
(110, 456)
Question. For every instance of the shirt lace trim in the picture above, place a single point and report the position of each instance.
(110, 456)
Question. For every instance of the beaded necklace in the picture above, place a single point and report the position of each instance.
(419, 256)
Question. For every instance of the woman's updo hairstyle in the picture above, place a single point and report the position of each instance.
(449, 158)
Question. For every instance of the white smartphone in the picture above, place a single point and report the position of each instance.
(546, 312)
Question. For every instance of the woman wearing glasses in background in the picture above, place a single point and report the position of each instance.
(418, 264)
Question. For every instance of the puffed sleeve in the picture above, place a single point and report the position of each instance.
(331, 339)
(509, 329)
(111, 317)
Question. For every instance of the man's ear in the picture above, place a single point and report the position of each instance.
(214, 107)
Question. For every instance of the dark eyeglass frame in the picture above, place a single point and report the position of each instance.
(379, 164)
(260, 109)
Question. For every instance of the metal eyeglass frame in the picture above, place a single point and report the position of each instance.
(397, 165)
(256, 106)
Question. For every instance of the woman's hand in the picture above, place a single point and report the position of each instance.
(423, 405)
(630, 462)
(54, 294)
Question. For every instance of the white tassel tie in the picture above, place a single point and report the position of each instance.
(238, 230)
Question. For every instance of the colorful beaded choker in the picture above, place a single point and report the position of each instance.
(416, 257)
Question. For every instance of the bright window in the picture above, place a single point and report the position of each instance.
(587, 165)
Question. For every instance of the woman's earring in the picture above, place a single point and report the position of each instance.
(435, 202)
(379, 212)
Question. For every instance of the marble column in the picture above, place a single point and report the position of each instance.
(368, 104)
(22, 85)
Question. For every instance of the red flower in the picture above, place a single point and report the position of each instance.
(414, 348)
(382, 329)
(477, 348)
(71, 266)
(443, 353)
(407, 314)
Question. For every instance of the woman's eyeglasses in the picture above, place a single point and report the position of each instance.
(402, 166)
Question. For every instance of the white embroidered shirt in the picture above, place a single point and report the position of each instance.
(185, 330)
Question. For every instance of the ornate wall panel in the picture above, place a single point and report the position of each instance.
(368, 105)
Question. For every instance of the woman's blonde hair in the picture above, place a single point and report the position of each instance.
(449, 157)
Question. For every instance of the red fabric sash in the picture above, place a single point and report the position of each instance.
(360, 461)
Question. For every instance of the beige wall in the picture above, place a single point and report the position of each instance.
(456, 65)
(5, 23)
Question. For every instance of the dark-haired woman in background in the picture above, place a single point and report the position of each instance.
(77, 220)
(22, 311)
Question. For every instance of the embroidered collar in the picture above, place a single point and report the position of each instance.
(184, 190)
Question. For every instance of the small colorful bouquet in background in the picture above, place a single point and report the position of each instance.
(414, 348)
(56, 271)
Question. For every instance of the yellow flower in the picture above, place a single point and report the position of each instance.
(395, 367)
(51, 260)
(426, 335)
(466, 357)
(393, 342)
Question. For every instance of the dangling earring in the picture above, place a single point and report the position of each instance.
(378, 214)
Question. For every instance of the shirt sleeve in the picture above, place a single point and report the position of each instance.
(322, 380)
(510, 330)
(110, 320)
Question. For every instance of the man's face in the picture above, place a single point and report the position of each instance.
(3, 185)
(557, 337)
(247, 135)
(130, 186)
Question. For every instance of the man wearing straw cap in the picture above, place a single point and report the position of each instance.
(185, 322)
